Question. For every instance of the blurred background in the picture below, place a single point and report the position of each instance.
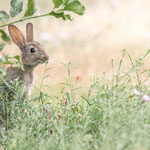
(90, 41)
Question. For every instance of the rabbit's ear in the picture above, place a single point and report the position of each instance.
(29, 32)
(17, 36)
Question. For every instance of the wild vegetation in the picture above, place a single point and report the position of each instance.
(110, 116)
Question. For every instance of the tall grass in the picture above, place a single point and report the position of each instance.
(109, 117)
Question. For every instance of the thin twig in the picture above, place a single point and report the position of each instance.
(27, 18)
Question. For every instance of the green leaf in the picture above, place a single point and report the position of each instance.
(18, 58)
(2, 60)
(65, 2)
(5, 37)
(9, 60)
(16, 7)
(31, 8)
(3, 16)
(57, 3)
(61, 15)
(76, 7)
(2, 71)
(9, 56)
(68, 17)
(1, 46)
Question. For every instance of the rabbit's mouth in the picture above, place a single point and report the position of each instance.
(41, 61)
(35, 63)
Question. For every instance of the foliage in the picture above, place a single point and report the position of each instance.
(61, 9)
(16, 7)
(31, 8)
(5, 37)
(3, 16)
(108, 117)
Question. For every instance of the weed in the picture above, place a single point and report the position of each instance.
(110, 117)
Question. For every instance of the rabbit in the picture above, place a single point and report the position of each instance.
(32, 54)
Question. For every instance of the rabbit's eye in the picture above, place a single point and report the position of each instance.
(32, 50)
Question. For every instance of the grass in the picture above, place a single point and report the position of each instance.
(109, 117)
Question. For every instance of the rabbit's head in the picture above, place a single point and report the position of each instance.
(32, 52)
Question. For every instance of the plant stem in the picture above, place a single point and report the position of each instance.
(27, 18)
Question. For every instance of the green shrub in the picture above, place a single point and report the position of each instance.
(110, 117)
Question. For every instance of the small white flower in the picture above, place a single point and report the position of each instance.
(145, 98)
(47, 36)
(114, 3)
(136, 92)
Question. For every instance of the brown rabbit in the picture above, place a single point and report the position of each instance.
(32, 54)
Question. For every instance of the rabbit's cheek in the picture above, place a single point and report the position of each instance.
(25, 60)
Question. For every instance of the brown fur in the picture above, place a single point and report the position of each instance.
(30, 59)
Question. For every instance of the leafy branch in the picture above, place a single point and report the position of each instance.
(61, 9)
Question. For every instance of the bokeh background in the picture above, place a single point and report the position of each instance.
(90, 41)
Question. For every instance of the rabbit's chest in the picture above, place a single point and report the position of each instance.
(27, 81)
(26, 84)
(25, 77)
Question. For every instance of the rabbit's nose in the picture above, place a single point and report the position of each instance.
(45, 57)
